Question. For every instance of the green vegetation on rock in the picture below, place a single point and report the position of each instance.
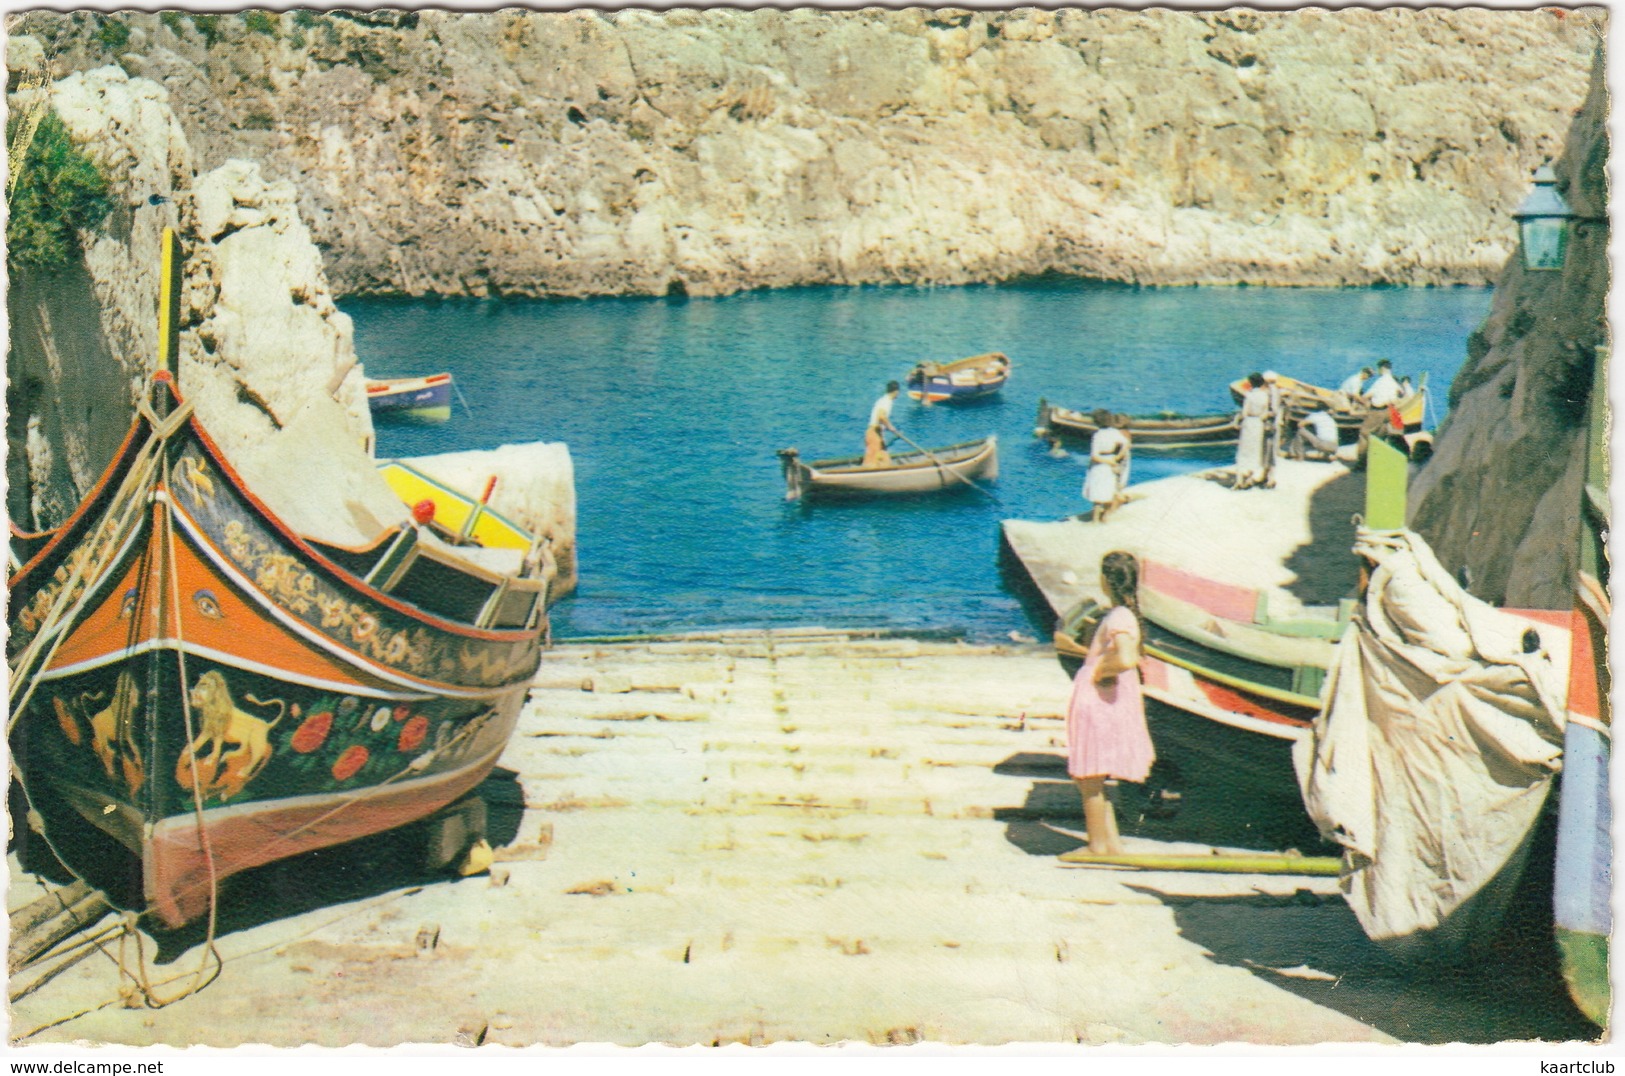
(59, 191)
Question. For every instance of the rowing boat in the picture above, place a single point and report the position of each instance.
(1301, 399)
(920, 471)
(198, 690)
(959, 382)
(413, 399)
(1166, 432)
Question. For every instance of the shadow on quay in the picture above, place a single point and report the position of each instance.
(1189, 797)
(358, 870)
(1312, 946)
(1326, 569)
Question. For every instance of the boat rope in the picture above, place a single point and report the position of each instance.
(108, 535)
(461, 398)
(209, 961)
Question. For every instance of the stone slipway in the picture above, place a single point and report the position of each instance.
(789, 837)
(1292, 541)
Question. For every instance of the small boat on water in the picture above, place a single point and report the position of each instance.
(959, 382)
(919, 471)
(1165, 432)
(197, 690)
(411, 399)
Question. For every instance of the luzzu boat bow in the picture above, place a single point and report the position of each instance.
(197, 690)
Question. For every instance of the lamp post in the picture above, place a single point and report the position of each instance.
(1543, 224)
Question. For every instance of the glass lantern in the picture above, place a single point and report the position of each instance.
(1543, 224)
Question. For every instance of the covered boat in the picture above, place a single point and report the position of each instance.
(1434, 754)
(196, 689)
(959, 382)
(413, 399)
(920, 471)
(1166, 432)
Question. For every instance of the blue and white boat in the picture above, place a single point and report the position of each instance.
(412, 399)
(959, 382)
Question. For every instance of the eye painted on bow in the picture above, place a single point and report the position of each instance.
(127, 609)
(208, 604)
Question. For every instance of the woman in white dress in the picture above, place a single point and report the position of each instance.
(1255, 412)
(1108, 464)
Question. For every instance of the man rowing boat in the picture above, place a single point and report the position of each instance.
(874, 437)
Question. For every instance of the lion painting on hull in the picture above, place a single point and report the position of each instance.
(224, 724)
(112, 734)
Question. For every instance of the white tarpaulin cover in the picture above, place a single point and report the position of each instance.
(1439, 736)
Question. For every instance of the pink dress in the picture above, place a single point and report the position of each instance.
(1105, 723)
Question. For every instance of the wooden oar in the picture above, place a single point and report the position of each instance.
(928, 454)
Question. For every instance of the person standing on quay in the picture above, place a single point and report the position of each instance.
(1255, 412)
(874, 437)
(1106, 733)
(1108, 464)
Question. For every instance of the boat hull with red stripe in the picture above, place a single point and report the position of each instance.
(202, 691)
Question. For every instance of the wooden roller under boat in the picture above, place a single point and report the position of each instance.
(913, 472)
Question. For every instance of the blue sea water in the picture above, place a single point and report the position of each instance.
(673, 410)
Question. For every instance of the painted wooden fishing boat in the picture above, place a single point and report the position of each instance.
(1583, 878)
(1167, 432)
(920, 471)
(959, 382)
(197, 690)
(412, 399)
(1301, 398)
(1241, 683)
(1212, 649)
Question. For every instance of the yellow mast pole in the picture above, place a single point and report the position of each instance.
(169, 307)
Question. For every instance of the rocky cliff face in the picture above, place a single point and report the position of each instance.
(266, 358)
(587, 152)
(1501, 497)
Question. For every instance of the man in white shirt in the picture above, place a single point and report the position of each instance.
(874, 437)
(1384, 390)
(1316, 433)
(1349, 394)
(1382, 395)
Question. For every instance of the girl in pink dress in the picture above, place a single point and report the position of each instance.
(1106, 734)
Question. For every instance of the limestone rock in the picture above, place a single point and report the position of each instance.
(707, 151)
(1501, 496)
(269, 361)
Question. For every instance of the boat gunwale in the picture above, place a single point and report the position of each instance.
(345, 577)
(126, 448)
(845, 465)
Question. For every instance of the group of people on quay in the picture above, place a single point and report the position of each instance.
(1261, 423)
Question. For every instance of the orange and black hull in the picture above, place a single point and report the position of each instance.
(208, 692)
